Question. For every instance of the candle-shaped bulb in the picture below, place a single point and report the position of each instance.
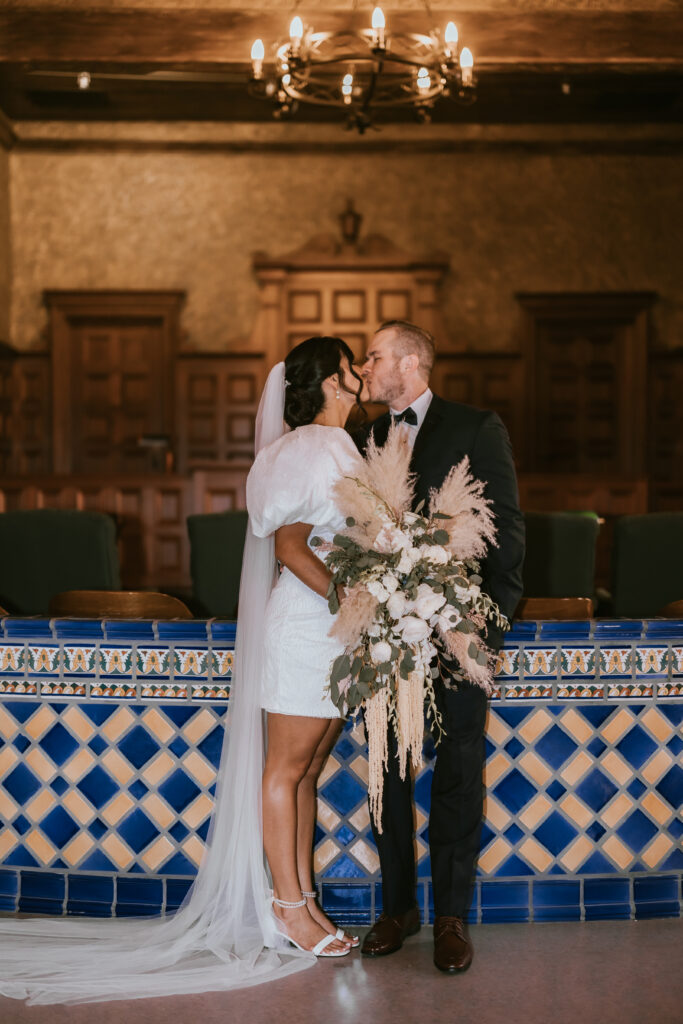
(423, 79)
(347, 87)
(296, 29)
(466, 65)
(450, 38)
(258, 50)
(83, 80)
(378, 25)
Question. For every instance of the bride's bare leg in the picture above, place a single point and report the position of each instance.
(292, 744)
(306, 808)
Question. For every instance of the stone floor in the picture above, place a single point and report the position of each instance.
(610, 972)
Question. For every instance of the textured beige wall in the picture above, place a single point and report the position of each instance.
(510, 222)
(5, 267)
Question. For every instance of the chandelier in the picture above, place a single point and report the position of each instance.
(363, 71)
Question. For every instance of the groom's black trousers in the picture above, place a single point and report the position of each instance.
(455, 815)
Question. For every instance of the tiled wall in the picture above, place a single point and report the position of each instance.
(110, 734)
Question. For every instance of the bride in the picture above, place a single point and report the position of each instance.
(232, 931)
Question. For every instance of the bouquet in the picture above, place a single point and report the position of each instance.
(412, 594)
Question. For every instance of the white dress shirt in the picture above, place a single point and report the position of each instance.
(419, 407)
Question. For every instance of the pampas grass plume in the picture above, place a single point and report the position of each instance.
(356, 614)
(458, 645)
(470, 527)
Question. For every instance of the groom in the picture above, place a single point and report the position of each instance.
(396, 369)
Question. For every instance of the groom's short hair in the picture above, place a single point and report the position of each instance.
(409, 339)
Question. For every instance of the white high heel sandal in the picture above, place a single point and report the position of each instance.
(340, 933)
(320, 947)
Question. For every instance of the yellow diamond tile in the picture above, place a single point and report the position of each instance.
(116, 725)
(535, 812)
(365, 855)
(617, 852)
(331, 766)
(576, 811)
(197, 728)
(158, 810)
(158, 726)
(80, 763)
(158, 769)
(617, 767)
(495, 813)
(358, 731)
(496, 729)
(8, 758)
(577, 767)
(79, 724)
(360, 767)
(657, 724)
(615, 727)
(656, 808)
(160, 850)
(324, 855)
(535, 854)
(198, 811)
(535, 768)
(576, 725)
(193, 847)
(8, 808)
(420, 819)
(534, 725)
(494, 768)
(660, 846)
(576, 854)
(41, 848)
(78, 807)
(7, 842)
(360, 819)
(40, 722)
(118, 767)
(40, 764)
(117, 808)
(79, 847)
(42, 802)
(327, 817)
(8, 726)
(199, 768)
(656, 766)
(616, 810)
(494, 854)
(117, 851)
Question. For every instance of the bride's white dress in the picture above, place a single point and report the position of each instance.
(291, 481)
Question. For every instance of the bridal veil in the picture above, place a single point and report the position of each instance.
(223, 936)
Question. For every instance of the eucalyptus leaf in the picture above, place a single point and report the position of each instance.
(474, 578)
(366, 674)
(441, 536)
(473, 650)
(350, 521)
(340, 668)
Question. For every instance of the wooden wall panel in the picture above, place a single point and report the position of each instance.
(25, 417)
(217, 401)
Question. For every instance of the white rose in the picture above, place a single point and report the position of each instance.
(437, 555)
(374, 630)
(447, 619)
(427, 601)
(378, 591)
(397, 604)
(390, 539)
(414, 555)
(390, 583)
(404, 563)
(409, 518)
(413, 629)
(380, 652)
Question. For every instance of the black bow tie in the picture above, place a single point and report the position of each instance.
(407, 416)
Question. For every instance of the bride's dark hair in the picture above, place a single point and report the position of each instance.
(306, 367)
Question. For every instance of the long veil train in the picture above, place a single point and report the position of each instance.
(223, 936)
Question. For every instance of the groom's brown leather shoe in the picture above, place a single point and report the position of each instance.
(387, 933)
(452, 947)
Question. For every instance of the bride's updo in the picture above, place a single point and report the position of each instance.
(306, 367)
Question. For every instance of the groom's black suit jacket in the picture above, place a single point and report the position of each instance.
(448, 433)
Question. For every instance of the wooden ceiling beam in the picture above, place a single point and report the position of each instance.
(498, 39)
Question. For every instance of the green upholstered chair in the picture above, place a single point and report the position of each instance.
(560, 554)
(46, 551)
(647, 564)
(216, 546)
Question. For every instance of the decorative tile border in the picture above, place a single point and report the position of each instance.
(109, 742)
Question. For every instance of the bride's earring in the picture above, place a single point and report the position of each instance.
(338, 394)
